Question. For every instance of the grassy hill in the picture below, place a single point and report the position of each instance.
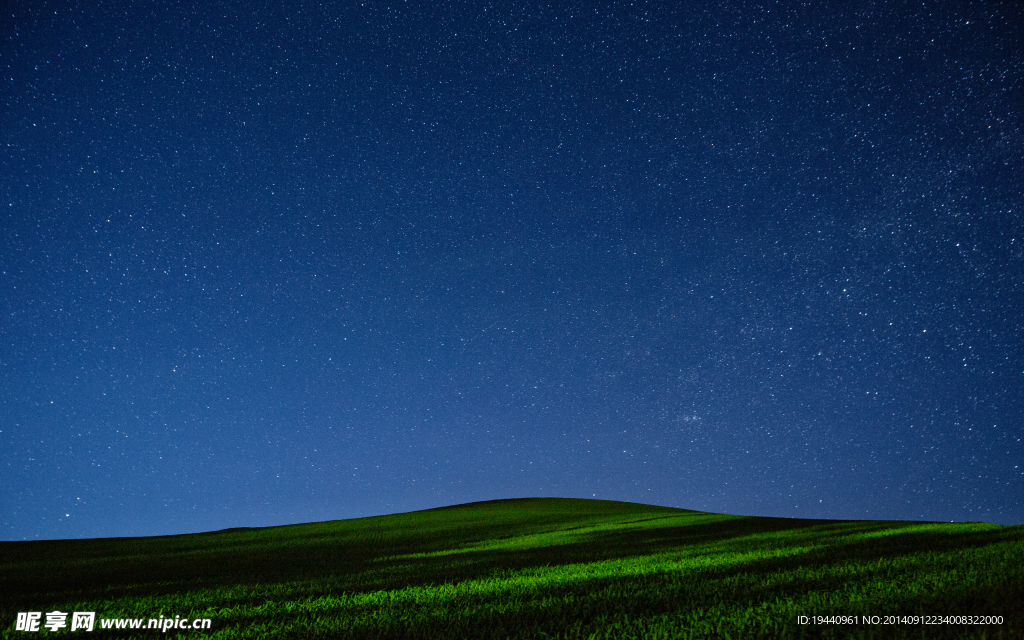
(538, 568)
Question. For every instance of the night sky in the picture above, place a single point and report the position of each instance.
(267, 263)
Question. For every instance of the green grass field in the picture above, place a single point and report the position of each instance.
(537, 568)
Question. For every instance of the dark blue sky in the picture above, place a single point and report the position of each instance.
(287, 262)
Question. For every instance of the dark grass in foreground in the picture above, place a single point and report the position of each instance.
(536, 568)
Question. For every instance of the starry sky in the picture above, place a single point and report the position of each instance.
(278, 262)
